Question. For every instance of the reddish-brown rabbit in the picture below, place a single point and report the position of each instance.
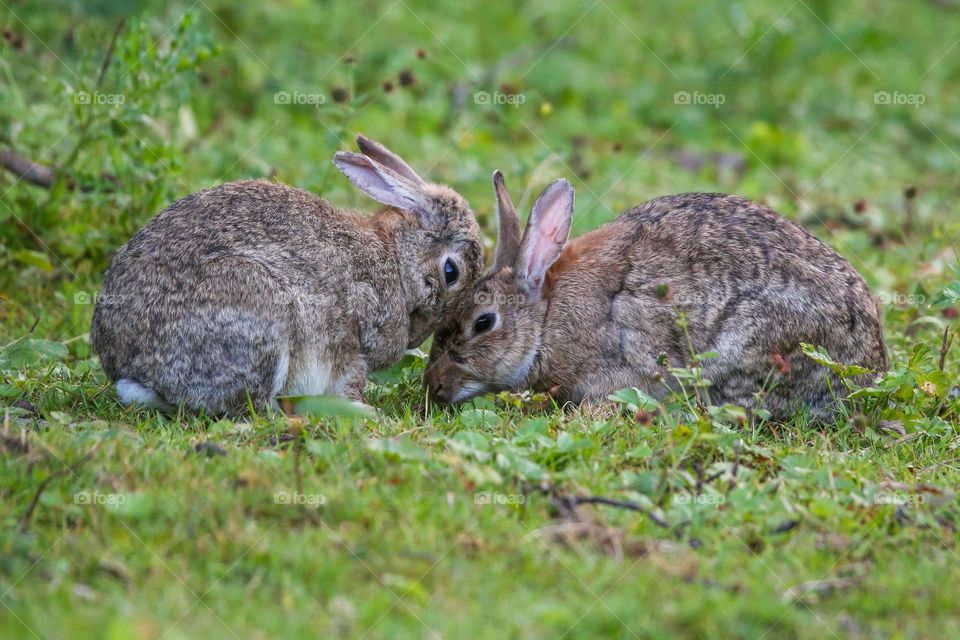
(599, 313)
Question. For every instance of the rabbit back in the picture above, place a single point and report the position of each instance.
(237, 293)
(751, 285)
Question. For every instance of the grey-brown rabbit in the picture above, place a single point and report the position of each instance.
(600, 313)
(252, 289)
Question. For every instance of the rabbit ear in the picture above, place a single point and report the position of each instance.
(382, 184)
(546, 234)
(508, 226)
(385, 157)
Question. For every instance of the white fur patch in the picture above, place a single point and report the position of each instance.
(132, 392)
(310, 375)
(467, 391)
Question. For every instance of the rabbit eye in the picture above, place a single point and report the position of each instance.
(450, 272)
(484, 322)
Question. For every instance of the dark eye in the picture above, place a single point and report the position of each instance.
(450, 272)
(484, 322)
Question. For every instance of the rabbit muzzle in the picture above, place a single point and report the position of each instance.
(447, 383)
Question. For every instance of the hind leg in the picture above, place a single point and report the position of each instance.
(761, 364)
(228, 347)
(353, 383)
(236, 361)
(318, 370)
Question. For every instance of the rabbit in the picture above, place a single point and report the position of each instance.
(600, 313)
(253, 289)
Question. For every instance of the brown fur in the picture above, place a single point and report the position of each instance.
(205, 304)
(584, 252)
(751, 284)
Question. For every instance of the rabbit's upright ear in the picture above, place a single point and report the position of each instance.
(546, 233)
(508, 227)
(381, 183)
(383, 156)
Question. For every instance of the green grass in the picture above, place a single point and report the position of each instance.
(422, 522)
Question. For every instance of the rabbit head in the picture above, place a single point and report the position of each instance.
(436, 235)
(492, 339)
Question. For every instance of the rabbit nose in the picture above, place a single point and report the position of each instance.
(435, 388)
(438, 393)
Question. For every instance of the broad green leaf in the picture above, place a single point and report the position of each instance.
(532, 430)
(26, 352)
(820, 356)
(478, 418)
(949, 297)
(473, 439)
(332, 407)
(33, 258)
(529, 469)
(471, 443)
(634, 399)
(9, 391)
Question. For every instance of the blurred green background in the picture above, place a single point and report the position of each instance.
(842, 116)
(828, 112)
